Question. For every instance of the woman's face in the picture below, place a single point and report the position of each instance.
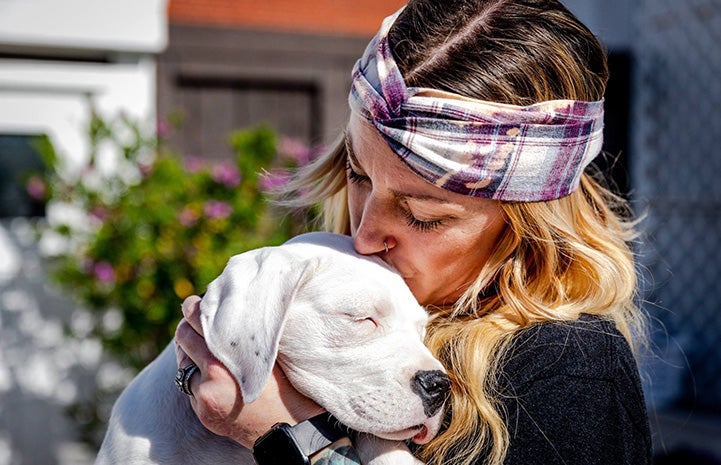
(437, 240)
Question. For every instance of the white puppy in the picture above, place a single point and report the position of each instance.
(344, 327)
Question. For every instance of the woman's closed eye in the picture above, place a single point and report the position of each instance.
(421, 225)
(353, 175)
(356, 176)
(412, 221)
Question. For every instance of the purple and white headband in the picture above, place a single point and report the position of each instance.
(475, 147)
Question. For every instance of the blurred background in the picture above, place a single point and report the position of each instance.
(137, 138)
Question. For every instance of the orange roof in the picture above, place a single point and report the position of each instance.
(342, 17)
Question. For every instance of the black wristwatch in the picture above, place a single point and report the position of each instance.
(293, 445)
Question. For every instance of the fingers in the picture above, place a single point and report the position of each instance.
(180, 356)
(189, 343)
(184, 337)
(188, 350)
(191, 312)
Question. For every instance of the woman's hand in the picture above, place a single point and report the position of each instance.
(216, 398)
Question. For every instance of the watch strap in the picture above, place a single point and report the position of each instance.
(341, 452)
(318, 433)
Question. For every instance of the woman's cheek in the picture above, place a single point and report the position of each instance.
(355, 209)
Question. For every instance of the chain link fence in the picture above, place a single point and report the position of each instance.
(675, 166)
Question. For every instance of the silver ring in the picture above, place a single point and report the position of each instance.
(385, 245)
(182, 378)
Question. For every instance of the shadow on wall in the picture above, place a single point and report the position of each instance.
(41, 371)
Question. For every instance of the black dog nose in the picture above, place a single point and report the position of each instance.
(432, 386)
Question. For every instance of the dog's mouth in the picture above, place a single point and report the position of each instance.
(423, 435)
(373, 414)
(420, 434)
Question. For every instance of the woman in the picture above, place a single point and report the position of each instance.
(463, 167)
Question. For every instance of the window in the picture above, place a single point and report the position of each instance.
(19, 159)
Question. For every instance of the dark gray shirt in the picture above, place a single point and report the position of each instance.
(572, 395)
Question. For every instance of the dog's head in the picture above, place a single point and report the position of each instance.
(344, 327)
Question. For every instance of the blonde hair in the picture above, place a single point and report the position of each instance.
(555, 260)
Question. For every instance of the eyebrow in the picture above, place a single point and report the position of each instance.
(397, 194)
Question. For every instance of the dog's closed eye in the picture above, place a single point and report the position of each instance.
(362, 322)
(366, 320)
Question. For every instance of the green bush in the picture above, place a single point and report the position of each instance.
(157, 227)
(130, 242)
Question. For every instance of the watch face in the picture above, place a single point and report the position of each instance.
(278, 447)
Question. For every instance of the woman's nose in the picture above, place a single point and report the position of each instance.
(375, 226)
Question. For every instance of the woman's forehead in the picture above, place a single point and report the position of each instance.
(368, 151)
(362, 133)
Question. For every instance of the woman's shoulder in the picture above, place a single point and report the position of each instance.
(589, 347)
(571, 393)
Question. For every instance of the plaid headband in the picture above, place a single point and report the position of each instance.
(474, 147)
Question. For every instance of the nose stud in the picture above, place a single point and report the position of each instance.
(385, 246)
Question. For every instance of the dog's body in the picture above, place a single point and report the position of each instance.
(346, 331)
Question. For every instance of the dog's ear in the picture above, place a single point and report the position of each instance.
(244, 310)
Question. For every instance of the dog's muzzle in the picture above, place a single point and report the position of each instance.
(433, 387)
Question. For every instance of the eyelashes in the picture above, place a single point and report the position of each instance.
(419, 225)
(353, 176)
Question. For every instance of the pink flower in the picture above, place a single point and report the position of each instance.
(36, 187)
(194, 164)
(162, 128)
(295, 149)
(273, 180)
(146, 169)
(104, 272)
(99, 213)
(217, 209)
(188, 217)
(227, 174)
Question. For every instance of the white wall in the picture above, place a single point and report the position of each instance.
(53, 96)
(121, 25)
